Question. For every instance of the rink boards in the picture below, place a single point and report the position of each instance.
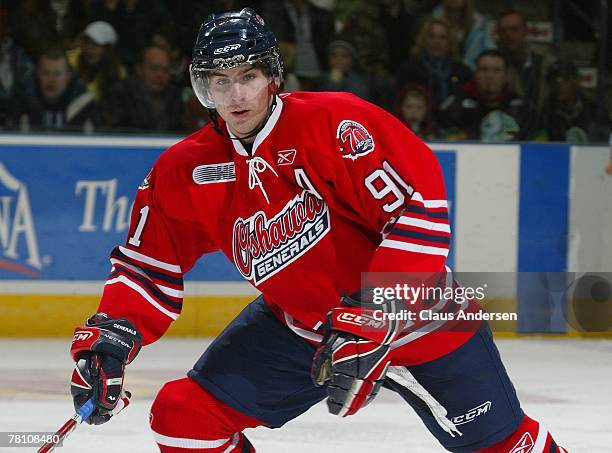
(65, 202)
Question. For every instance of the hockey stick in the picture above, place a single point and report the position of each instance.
(82, 414)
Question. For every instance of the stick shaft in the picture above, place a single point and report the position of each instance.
(82, 414)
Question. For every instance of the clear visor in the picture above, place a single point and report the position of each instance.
(231, 88)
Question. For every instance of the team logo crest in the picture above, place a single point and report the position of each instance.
(355, 140)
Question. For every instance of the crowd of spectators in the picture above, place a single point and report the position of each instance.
(439, 66)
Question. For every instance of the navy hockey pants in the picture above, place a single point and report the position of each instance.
(262, 369)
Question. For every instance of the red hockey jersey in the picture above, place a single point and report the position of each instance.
(334, 186)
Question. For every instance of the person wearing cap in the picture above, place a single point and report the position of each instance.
(572, 117)
(342, 74)
(96, 60)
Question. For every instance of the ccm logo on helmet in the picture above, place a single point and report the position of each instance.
(360, 320)
(226, 49)
(82, 335)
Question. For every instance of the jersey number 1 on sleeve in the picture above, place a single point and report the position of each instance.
(135, 239)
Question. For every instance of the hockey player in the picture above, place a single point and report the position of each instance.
(303, 192)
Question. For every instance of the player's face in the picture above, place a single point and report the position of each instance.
(241, 96)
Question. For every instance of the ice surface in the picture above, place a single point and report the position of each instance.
(564, 383)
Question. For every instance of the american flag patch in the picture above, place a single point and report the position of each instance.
(209, 174)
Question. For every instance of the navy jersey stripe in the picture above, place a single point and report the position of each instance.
(116, 253)
(421, 210)
(422, 236)
(150, 286)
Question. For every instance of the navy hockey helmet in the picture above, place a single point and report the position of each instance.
(229, 40)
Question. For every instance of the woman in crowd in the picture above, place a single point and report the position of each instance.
(435, 63)
(468, 26)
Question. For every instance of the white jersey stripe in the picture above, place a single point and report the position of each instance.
(417, 197)
(426, 224)
(171, 291)
(416, 248)
(435, 203)
(184, 442)
(235, 440)
(140, 290)
(540, 442)
(429, 203)
(164, 289)
(152, 261)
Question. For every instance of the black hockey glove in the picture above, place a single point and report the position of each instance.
(101, 349)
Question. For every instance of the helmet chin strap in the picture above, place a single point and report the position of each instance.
(214, 117)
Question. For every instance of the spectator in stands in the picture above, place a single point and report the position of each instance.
(435, 63)
(145, 101)
(179, 61)
(305, 31)
(469, 26)
(380, 30)
(136, 23)
(16, 73)
(412, 108)
(527, 68)
(571, 116)
(96, 60)
(364, 31)
(342, 74)
(486, 109)
(58, 101)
